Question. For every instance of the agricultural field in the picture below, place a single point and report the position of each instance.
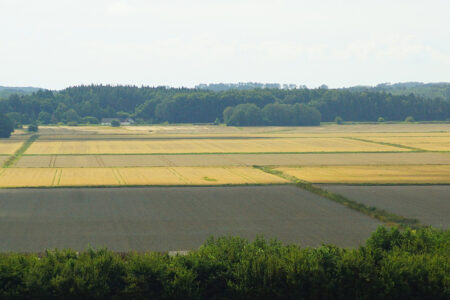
(387, 174)
(170, 187)
(429, 204)
(250, 145)
(9, 146)
(187, 160)
(175, 218)
(3, 158)
(441, 143)
(53, 177)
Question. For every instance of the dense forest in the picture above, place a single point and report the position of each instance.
(426, 90)
(6, 91)
(88, 104)
(393, 264)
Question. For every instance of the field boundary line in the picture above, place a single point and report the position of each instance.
(382, 215)
(10, 161)
(386, 144)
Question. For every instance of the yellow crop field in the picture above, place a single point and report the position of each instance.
(207, 146)
(39, 177)
(9, 147)
(441, 143)
(32, 177)
(88, 177)
(372, 174)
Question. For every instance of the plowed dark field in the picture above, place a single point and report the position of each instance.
(164, 219)
(429, 204)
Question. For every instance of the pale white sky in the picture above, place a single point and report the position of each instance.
(59, 43)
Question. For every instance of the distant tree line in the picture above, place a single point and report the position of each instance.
(272, 114)
(413, 264)
(88, 104)
(427, 90)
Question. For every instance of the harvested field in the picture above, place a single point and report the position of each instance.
(38, 177)
(392, 174)
(324, 128)
(3, 158)
(340, 159)
(429, 204)
(277, 159)
(10, 146)
(56, 161)
(424, 143)
(207, 146)
(163, 219)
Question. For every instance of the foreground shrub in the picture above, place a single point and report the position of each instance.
(394, 264)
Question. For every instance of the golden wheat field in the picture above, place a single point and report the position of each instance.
(40, 177)
(207, 146)
(12, 177)
(441, 143)
(9, 146)
(427, 174)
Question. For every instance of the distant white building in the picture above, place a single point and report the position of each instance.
(126, 121)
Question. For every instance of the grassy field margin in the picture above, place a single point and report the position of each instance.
(15, 157)
(373, 212)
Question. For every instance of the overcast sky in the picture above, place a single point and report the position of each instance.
(59, 43)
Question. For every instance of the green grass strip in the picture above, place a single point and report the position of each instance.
(373, 212)
(15, 157)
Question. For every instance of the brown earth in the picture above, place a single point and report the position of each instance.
(429, 204)
(163, 219)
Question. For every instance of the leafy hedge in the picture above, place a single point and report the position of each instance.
(392, 265)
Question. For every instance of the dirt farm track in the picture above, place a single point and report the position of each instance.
(175, 218)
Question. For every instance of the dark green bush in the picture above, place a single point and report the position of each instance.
(394, 264)
(33, 127)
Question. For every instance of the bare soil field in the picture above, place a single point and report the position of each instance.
(380, 174)
(429, 204)
(278, 159)
(164, 219)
